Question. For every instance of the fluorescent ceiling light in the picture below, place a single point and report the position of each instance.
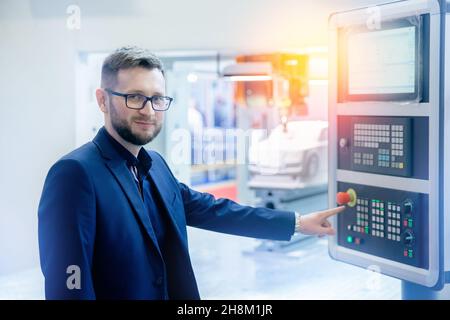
(248, 71)
(248, 78)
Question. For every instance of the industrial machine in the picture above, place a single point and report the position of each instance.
(291, 163)
(388, 150)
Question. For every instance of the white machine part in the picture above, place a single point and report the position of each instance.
(294, 156)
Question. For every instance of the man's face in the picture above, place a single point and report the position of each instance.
(138, 127)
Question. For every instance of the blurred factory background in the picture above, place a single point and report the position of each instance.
(254, 69)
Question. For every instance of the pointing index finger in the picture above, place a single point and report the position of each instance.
(331, 212)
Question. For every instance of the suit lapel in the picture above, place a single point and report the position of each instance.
(167, 195)
(122, 174)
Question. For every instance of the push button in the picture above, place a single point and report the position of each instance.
(349, 198)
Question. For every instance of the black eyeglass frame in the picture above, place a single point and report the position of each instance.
(126, 95)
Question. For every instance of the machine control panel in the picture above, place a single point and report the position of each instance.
(381, 145)
(388, 162)
(386, 223)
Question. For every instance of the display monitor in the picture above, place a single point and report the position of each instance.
(381, 64)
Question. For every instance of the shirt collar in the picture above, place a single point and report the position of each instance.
(143, 162)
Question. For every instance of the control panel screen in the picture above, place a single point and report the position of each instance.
(387, 223)
(382, 62)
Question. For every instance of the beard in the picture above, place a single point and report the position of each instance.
(123, 128)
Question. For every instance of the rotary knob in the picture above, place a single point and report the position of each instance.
(408, 206)
(408, 238)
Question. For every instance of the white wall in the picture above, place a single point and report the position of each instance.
(37, 79)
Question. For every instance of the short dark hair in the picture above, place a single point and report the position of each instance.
(125, 58)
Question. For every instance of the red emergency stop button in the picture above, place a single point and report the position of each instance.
(343, 198)
(348, 198)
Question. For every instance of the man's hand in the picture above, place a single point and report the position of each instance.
(316, 223)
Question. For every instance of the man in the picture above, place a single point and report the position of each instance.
(112, 217)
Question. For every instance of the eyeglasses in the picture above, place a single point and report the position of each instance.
(138, 101)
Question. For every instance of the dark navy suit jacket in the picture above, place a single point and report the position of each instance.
(92, 216)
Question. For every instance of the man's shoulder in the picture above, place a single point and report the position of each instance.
(84, 156)
(86, 152)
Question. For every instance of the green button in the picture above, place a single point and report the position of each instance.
(410, 223)
(349, 239)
